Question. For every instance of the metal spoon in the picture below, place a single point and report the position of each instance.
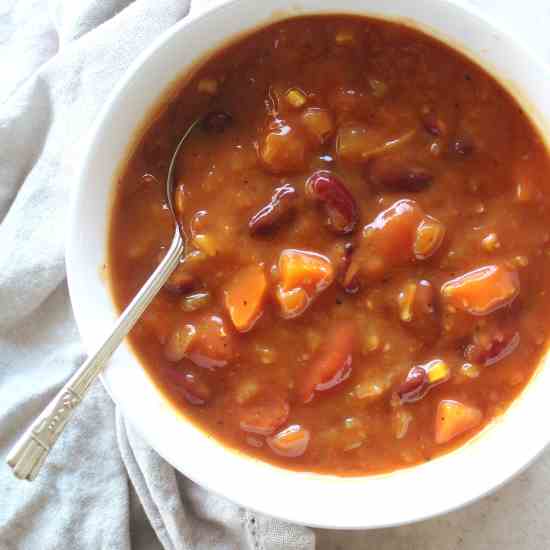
(30, 452)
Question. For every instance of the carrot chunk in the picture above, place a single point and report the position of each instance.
(332, 364)
(453, 419)
(307, 270)
(303, 275)
(387, 241)
(245, 296)
(482, 290)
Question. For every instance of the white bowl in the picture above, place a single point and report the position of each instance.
(502, 450)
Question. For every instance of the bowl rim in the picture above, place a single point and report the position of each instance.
(73, 242)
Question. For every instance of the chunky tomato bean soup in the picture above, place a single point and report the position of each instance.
(368, 244)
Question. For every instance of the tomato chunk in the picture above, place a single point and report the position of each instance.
(482, 290)
(453, 418)
(332, 364)
(290, 442)
(244, 297)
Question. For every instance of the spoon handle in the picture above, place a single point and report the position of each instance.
(31, 450)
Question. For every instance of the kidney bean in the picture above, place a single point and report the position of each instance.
(180, 282)
(275, 211)
(397, 175)
(415, 385)
(340, 205)
(216, 122)
(434, 125)
(462, 146)
(496, 347)
(194, 390)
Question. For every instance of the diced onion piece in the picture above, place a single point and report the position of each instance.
(318, 123)
(482, 290)
(195, 301)
(290, 442)
(405, 301)
(429, 236)
(179, 342)
(401, 421)
(244, 297)
(453, 419)
(359, 143)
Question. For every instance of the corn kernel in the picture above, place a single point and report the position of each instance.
(208, 86)
(438, 371)
(490, 242)
(296, 98)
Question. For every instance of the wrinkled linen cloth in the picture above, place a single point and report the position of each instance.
(60, 59)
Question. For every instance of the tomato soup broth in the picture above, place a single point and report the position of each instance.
(364, 286)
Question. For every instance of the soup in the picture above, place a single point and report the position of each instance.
(364, 283)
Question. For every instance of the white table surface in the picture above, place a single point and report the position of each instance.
(517, 517)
